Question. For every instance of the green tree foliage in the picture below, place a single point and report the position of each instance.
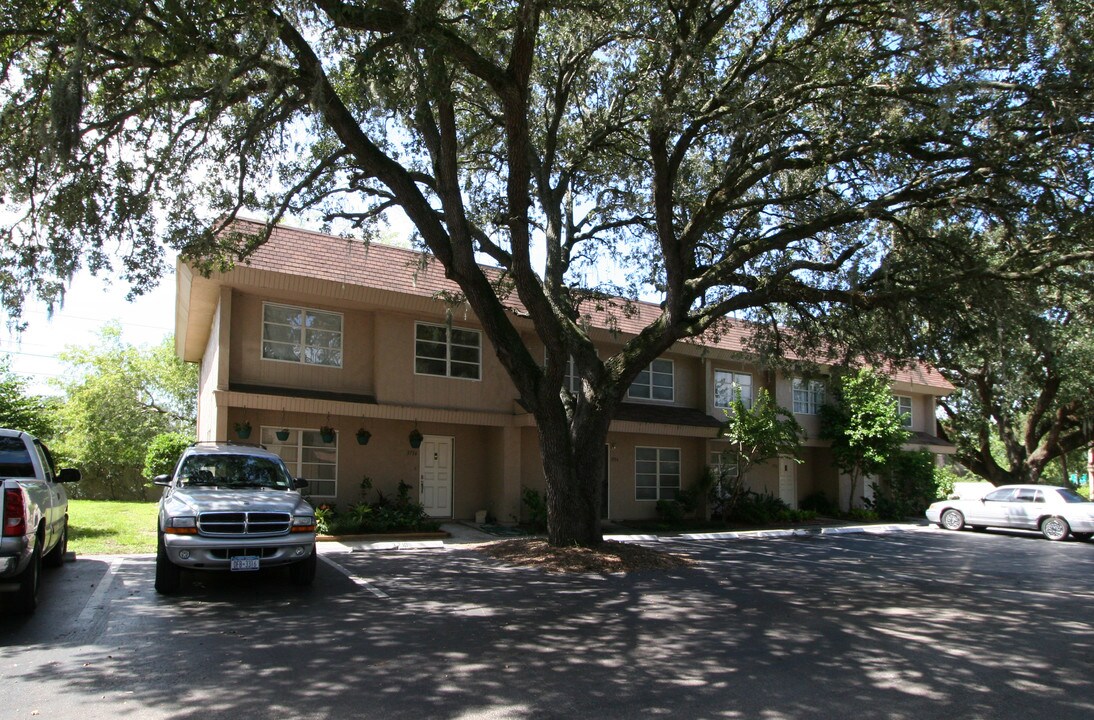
(164, 452)
(118, 399)
(863, 425)
(758, 434)
(1020, 357)
(20, 410)
(907, 485)
(774, 159)
(1023, 377)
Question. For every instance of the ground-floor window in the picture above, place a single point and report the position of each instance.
(307, 456)
(724, 463)
(656, 473)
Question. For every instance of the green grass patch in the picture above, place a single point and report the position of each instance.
(103, 527)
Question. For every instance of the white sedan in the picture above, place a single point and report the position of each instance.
(1057, 512)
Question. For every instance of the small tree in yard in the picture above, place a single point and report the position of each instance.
(863, 425)
(760, 433)
(164, 452)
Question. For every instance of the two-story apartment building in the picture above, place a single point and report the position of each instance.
(317, 331)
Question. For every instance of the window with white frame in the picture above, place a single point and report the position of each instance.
(447, 351)
(654, 383)
(808, 396)
(726, 385)
(725, 463)
(570, 380)
(301, 335)
(307, 456)
(656, 473)
(904, 409)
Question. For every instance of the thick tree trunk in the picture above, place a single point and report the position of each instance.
(573, 462)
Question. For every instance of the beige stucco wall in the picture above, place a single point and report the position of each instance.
(248, 366)
(398, 384)
(622, 503)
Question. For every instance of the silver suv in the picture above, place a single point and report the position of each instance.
(233, 507)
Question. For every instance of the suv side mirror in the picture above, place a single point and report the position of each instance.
(67, 475)
(162, 480)
(299, 483)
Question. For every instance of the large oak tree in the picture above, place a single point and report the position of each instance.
(764, 158)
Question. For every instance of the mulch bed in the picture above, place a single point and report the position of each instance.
(610, 557)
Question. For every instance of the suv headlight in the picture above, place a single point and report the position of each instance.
(303, 523)
(183, 525)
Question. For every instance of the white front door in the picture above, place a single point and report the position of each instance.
(788, 481)
(436, 475)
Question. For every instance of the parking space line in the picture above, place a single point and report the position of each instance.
(95, 602)
(362, 582)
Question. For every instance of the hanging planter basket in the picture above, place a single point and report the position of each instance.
(363, 436)
(415, 438)
(243, 429)
(327, 434)
(282, 434)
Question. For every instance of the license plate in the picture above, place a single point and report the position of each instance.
(245, 562)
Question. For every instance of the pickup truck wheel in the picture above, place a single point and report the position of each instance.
(55, 558)
(168, 574)
(302, 573)
(26, 597)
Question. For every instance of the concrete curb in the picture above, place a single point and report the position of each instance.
(464, 537)
(767, 534)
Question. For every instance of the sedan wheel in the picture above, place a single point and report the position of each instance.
(953, 519)
(1055, 528)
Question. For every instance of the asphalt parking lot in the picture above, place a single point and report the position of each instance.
(917, 624)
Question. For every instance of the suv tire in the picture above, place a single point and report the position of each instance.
(168, 574)
(302, 573)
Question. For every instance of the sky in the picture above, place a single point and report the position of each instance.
(91, 302)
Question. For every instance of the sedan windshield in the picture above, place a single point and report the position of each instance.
(235, 471)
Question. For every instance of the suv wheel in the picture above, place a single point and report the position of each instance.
(168, 574)
(303, 573)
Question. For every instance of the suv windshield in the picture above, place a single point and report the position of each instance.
(236, 471)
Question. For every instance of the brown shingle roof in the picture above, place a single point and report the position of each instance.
(307, 253)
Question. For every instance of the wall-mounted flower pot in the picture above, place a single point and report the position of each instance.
(282, 434)
(326, 434)
(415, 439)
(363, 436)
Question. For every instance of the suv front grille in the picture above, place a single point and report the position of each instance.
(242, 523)
(226, 553)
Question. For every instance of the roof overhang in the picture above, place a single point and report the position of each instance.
(196, 300)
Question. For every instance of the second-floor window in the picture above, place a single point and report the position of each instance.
(301, 335)
(904, 409)
(808, 396)
(570, 381)
(726, 385)
(447, 351)
(654, 383)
